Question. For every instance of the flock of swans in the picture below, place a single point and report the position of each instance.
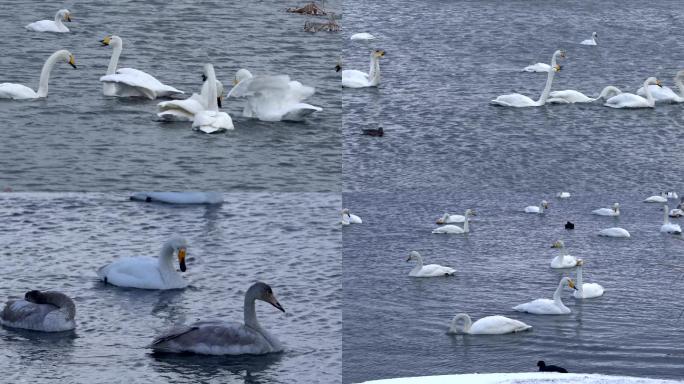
(497, 324)
(647, 96)
(52, 311)
(267, 97)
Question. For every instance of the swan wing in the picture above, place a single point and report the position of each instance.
(662, 94)
(568, 262)
(514, 100)
(300, 92)
(351, 78)
(362, 36)
(455, 219)
(627, 100)
(16, 92)
(571, 96)
(46, 26)
(149, 81)
(135, 272)
(264, 85)
(436, 270)
(590, 290)
(540, 307)
(180, 109)
(539, 67)
(614, 232)
(212, 121)
(603, 212)
(448, 229)
(497, 325)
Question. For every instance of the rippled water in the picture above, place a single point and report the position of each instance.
(445, 61)
(395, 326)
(57, 241)
(77, 139)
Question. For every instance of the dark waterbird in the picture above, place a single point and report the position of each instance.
(550, 368)
(374, 132)
(569, 225)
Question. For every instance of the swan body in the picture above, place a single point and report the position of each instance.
(185, 110)
(52, 26)
(455, 229)
(362, 36)
(129, 82)
(517, 100)
(22, 92)
(614, 211)
(448, 219)
(666, 94)
(490, 325)
(350, 218)
(211, 120)
(538, 210)
(273, 98)
(668, 227)
(586, 290)
(539, 67)
(223, 338)
(563, 195)
(47, 311)
(614, 232)
(547, 306)
(630, 100)
(430, 270)
(676, 212)
(179, 197)
(352, 78)
(570, 96)
(148, 272)
(655, 199)
(592, 41)
(563, 260)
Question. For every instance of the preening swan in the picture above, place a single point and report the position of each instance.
(22, 92)
(185, 110)
(547, 306)
(614, 211)
(222, 338)
(592, 41)
(272, 98)
(614, 232)
(563, 195)
(430, 270)
(362, 36)
(448, 219)
(656, 199)
(518, 100)
(540, 209)
(630, 100)
(563, 260)
(351, 78)
(179, 197)
(148, 272)
(571, 96)
(586, 290)
(539, 67)
(665, 94)
(668, 227)
(129, 82)
(450, 228)
(52, 26)
(46, 311)
(490, 325)
(211, 120)
(350, 218)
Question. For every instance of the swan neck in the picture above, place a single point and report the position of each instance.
(579, 280)
(166, 260)
(680, 85)
(114, 60)
(557, 294)
(58, 20)
(64, 303)
(374, 73)
(466, 228)
(649, 97)
(419, 260)
(549, 80)
(250, 312)
(45, 73)
(467, 324)
(666, 218)
(212, 104)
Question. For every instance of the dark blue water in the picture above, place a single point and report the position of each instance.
(444, 62)
(395, 326)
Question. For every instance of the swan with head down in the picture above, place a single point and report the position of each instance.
(518, 100)
(46, 311)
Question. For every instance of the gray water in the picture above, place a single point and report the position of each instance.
(445, 61)
(79, 140)
(395, 326)
(57, 241)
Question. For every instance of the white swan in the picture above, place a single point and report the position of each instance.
(570, 96)
(148, 272)
(656, 199)
(614, 211)
(222, 338)
(586, 290)
(350, 218)
(592, 41)
(448, 219)
(563, 260)
(490, 325)
(351, 78)
(46, 311)
(539, 67)
(273, 98)
(676, 212)
(362, 36)
(455, 229)
(672, 195)
(518, 100)
(615, 232)
(668, 227)
(540, 209)
(211, 120)
(563, 195)
(666, 94)
(22, 92)
(185, 110)
(129, 82)
(630, 100)
(430, 270)
(547, 306)
(179, 197)
(52, 26)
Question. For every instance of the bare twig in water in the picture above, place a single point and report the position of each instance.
(330, 26)
(309, 9)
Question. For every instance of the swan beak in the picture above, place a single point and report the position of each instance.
(338, 68)
(571, 284)
(72, 62)
(658, 83)
(68, 17)
(555, 245)
(204, 77)
(272, 300)
(557, 68)
(181, 259)
(218, 101)
(440, 221)
(105, 41)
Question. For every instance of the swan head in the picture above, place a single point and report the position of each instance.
(112, 40)
(558, 244)
(64, 14)
(594, 36)
(616, 206)
(378, 53)
(570, 283)
(262, 291)
(240, 75)
(653, 80)
(179, 246)
(414, 255)
(345, 211)
(34, 297)
(470, 212)
(579, 263)
(71, 61)
(559, 53)
(545, 204)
